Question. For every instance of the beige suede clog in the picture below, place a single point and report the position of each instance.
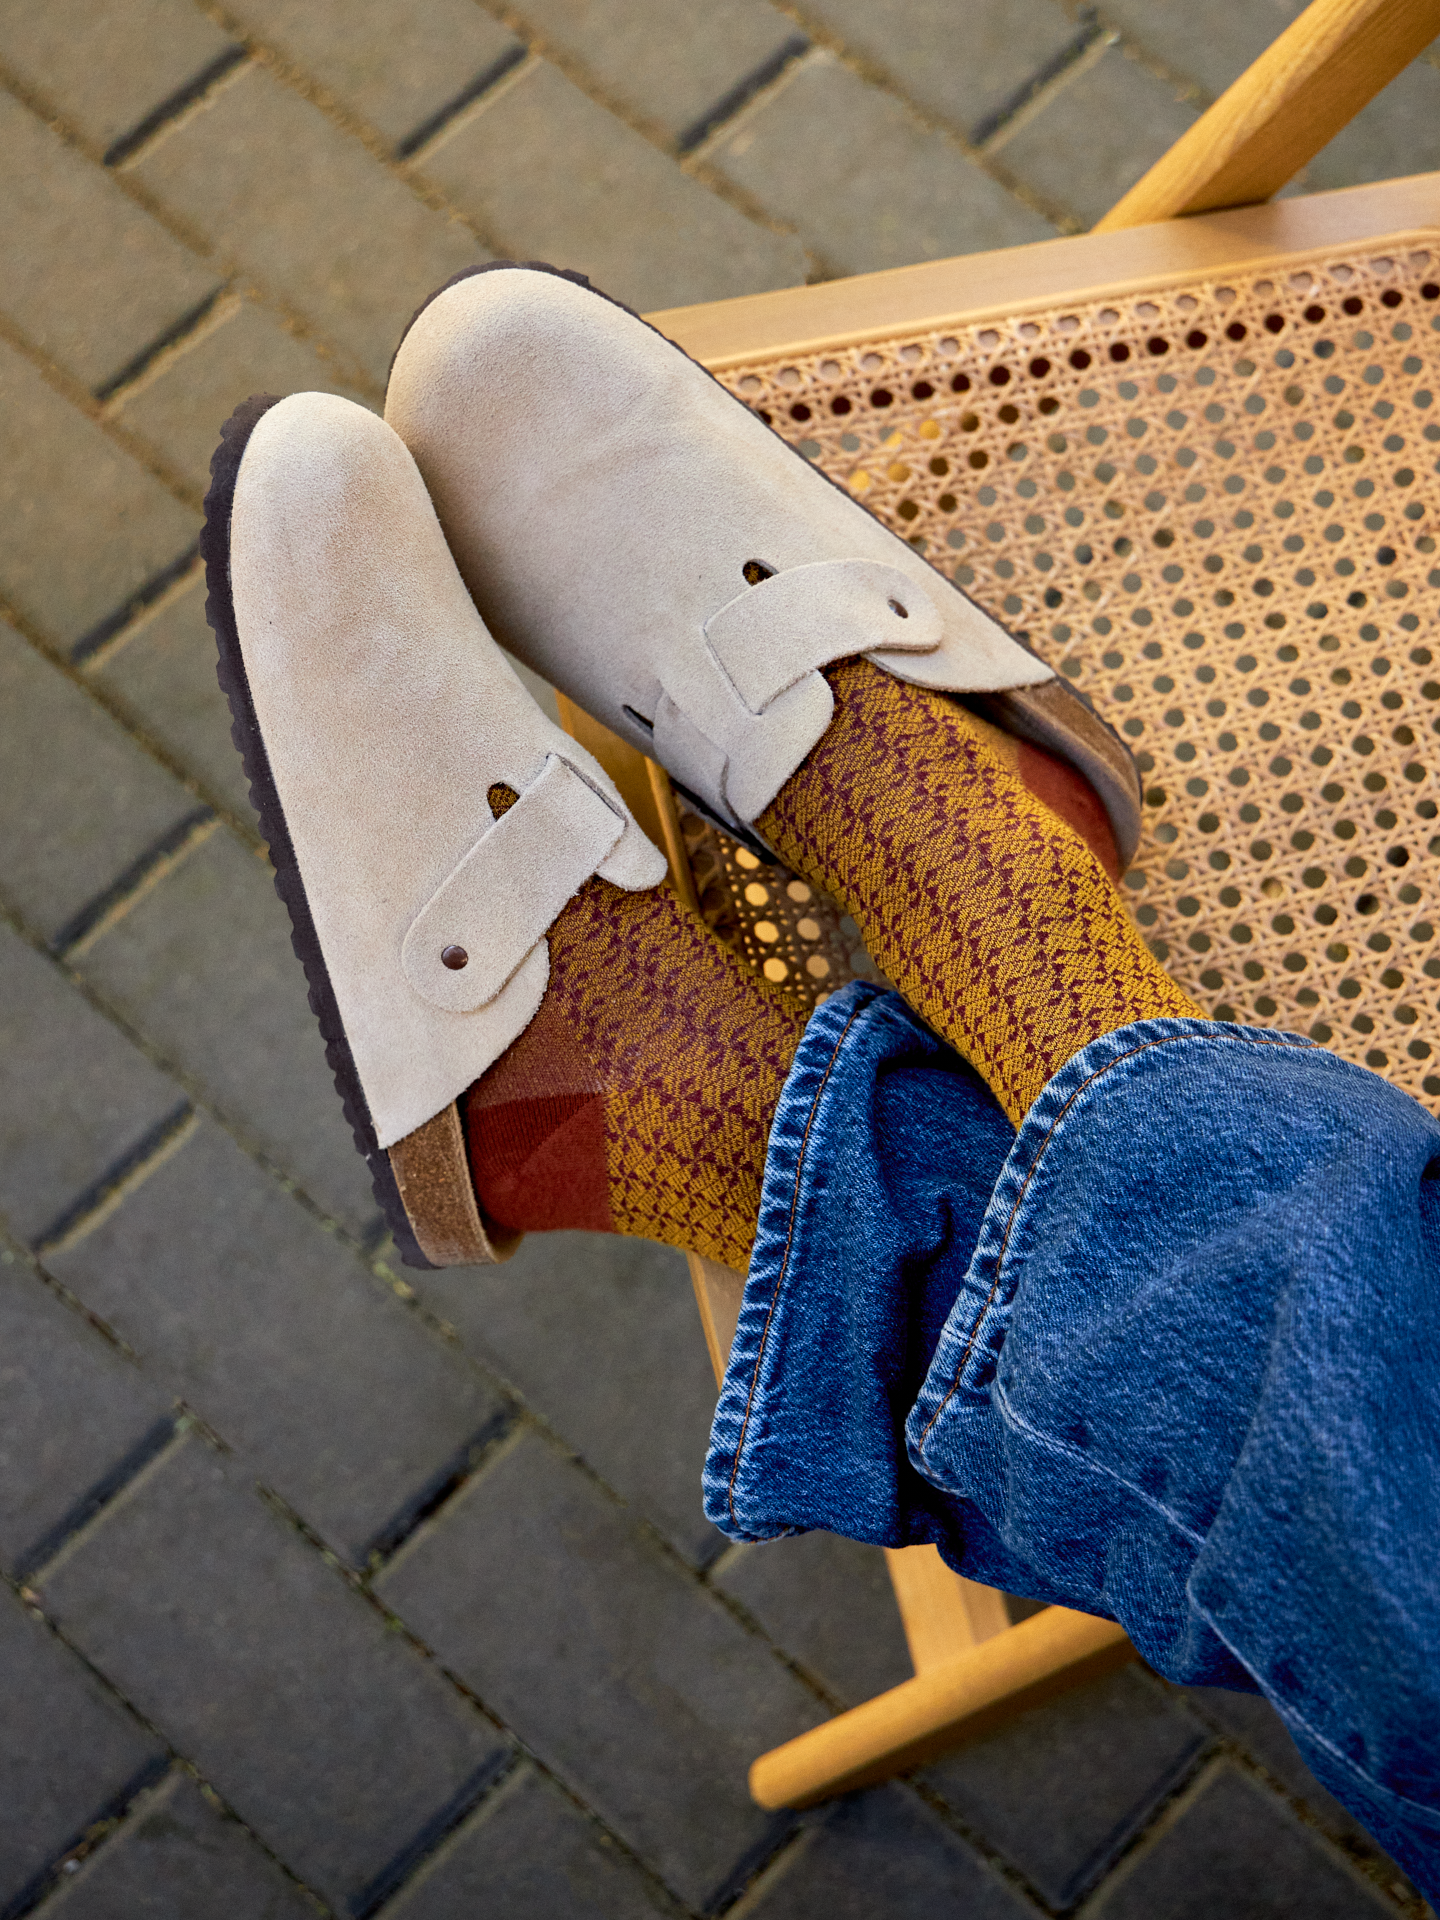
(634, 533)
(374, 714)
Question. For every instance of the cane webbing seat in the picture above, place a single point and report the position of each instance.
(1213, 507)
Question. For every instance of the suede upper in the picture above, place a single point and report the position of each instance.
(607, 503)
(387, 713)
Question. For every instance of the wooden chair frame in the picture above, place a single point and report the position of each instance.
(1200, 209)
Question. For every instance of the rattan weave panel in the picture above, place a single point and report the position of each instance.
(1212, 507)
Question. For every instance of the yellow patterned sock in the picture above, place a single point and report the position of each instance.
(639, 1099)
(989, 912)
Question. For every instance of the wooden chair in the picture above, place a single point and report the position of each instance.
(1192, 456)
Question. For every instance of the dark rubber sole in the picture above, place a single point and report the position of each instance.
(245, 732)
(580, 280)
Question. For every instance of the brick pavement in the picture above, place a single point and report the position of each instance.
(330, 1588)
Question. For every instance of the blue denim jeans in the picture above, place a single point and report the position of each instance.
(1170, 1354)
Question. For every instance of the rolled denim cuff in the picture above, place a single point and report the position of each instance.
(882, 1156)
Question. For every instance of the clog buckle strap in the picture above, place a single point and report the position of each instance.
(755, 698)
(505, 894)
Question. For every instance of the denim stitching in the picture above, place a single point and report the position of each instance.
(1169, 1039)
(785, 1259)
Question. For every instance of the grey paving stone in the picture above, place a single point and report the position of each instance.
(68, 1754)
(128, 280)
(601, 1336)
(1398, 133)
(880, 1856)
(829, 1603)
(331, 1737)
(547, 174)
(963, 69)
(669, 62)
(76, 1100)
(83, 527)
(106, 67)
(203, 966)
(1237, 1850)
(1062, 1788)
(182, 409)
(861, 180)
(162, 681)
(1094, 138)
(330, 231)
(616, 1668)
(80, 801)
(77, 1417)
(1210, 46)
(335, 1394)
(1254, 1723)
(396, 65)
(528, 1854)
(178, 1857)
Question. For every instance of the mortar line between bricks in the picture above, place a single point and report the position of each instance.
(1166, 1816)
(876, 75)
(390, 1880)
(140, 879)
(752, 1897)
(94, 1502)
(28, 1589)
(1181, 83)
(482, 84)
(245, 830)
(80, 396)
(158, 127)
(361, 1584)
(977, 1841)
(110, 1811)
(173, 345)
(14, 1252)
(194, 242)
(580, 77)
(99, 1835)
(186, 1084)
(1050, 78)
(131, 375)
(96, 1204)
(298, 81)
(1230, 1747)
(742, 93)
(170, 110)
(34, 1606)
(147, 600)
(107, 637)
(460, 117)
(523, 1764)
(1175, 1785)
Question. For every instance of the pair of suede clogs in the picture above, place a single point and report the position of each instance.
(553, 472)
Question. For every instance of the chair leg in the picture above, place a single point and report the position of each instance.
(1282, 110)
(942, 1612)
(922, 1718)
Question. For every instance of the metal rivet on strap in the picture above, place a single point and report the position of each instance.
(455, 958)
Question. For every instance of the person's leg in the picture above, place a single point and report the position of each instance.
(1167, 1355)
(973, 866)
